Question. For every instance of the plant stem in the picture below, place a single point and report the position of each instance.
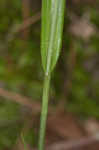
(44, 111)
(24, 143)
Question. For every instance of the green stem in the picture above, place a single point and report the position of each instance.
(44, 111)
(24, 143)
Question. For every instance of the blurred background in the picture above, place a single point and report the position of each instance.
(74, 94)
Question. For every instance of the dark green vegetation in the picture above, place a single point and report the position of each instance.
(75, 79)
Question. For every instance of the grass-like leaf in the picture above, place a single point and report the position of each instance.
(52, 27)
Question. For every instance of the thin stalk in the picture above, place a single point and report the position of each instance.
(44, 111)
(24, 143)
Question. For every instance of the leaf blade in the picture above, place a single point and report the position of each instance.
(52, 27)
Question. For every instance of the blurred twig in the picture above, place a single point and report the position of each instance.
(20, 99)
(25, 15)
(28, 22)
(74, 144)
(21, 27)
(16, 29)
